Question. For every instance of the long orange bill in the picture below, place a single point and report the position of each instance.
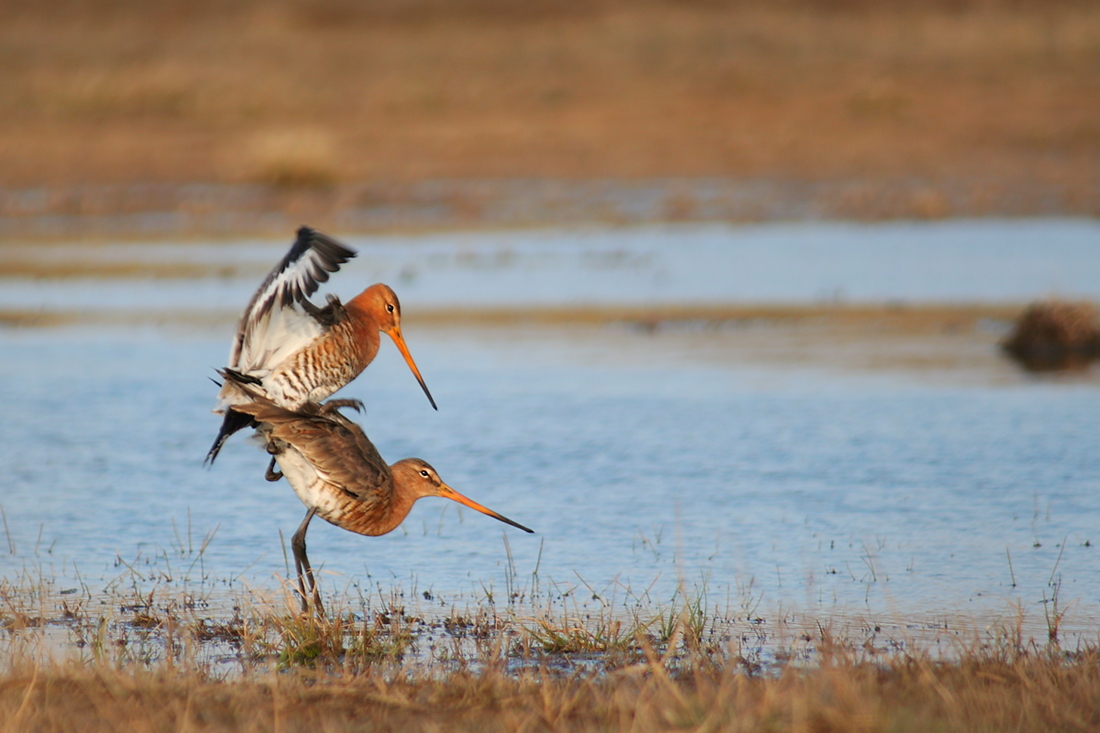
(398, 339)
(449, 493)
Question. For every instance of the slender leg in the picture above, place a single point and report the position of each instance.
(305, 572)
(271, 474)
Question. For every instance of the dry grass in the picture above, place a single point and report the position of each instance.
(1056, 335)
(985, 690)
(162, 657)
(999, 95)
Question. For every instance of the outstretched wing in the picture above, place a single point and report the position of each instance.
(271, 323)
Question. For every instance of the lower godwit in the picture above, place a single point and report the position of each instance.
(338, 474)
(295, 352)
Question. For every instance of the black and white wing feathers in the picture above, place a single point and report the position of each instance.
(309, 262)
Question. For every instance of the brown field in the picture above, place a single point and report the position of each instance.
(845, 107)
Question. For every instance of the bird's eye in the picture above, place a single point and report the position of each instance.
(389, 307)
(425, 474)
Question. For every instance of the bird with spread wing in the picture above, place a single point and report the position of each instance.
(294, 352)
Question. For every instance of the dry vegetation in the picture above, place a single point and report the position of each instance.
(1054, 335)
(168, 657)
(1028, 693)
(990, 105)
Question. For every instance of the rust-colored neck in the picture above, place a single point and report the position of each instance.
(364, 325)
(402, 504)
(386, 518)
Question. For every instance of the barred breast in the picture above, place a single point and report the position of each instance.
(316, 372)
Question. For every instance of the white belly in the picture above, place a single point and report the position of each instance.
(310, 486)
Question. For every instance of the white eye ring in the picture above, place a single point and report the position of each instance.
(425, 474)
(389, 307)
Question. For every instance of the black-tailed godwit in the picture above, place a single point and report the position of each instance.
(338, 474)
(295, 352)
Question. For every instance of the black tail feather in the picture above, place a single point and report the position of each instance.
(233, 422)
(239, 377)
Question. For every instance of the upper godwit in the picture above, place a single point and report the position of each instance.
(296, 352)
(338, 474)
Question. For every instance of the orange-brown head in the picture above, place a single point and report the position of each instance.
(379, 304)
(415, 479)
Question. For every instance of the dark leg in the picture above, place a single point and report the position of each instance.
(271, 474)
(334, 405)
(274, 448)
(305, 572)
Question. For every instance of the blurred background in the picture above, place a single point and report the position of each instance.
(712, 294)
(240, 116)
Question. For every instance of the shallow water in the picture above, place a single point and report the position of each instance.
(957, 261)
(641, 459)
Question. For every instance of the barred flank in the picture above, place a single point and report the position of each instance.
(328, 364)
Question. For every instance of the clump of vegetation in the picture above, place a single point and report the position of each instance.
(346, 641)
(1054, 335)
